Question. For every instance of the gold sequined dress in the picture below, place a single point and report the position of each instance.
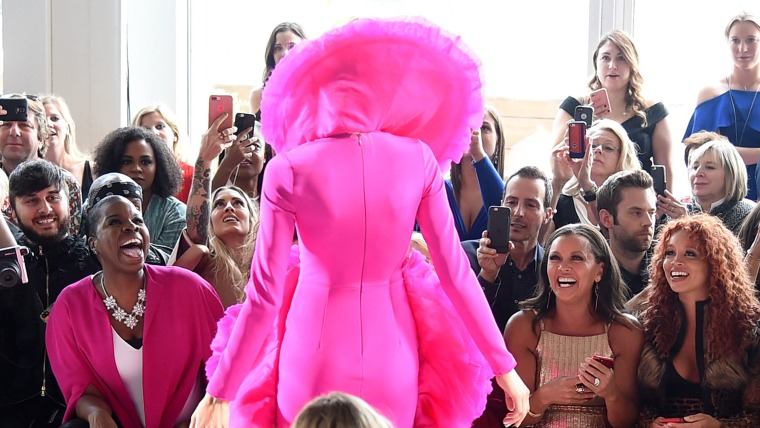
(560, 356)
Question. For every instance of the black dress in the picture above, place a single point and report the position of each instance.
(641, 136)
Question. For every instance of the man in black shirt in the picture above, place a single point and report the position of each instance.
(508, 279)
(627, 205)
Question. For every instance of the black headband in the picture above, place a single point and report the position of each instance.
(126, 190)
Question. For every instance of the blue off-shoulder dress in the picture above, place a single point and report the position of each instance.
(491, 190)
(717, 115)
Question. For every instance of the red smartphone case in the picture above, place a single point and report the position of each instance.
(608, 362)
(217, 105)
(577, 139)
(672, 421)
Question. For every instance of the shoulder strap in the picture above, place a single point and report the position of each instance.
(541, 321)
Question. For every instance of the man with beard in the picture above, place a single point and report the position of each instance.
(21, 141)
(627, 205)
(30, 396)
(508, 279)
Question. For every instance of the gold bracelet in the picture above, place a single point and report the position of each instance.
(534, 415)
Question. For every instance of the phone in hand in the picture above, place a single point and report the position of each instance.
(584, 114)
(576, 130)
(218, 105)
(672, 421)
(16, 109)
(601, 101)
(499, 222)
(608, 362)
(658, 176)
(244, 121)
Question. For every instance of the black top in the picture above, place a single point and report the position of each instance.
(641, 136)
(565, 213)
(638, 280)
(512, 285)
(86, 179)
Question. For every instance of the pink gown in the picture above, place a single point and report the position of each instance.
(354, 200)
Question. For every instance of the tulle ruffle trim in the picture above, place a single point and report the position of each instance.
(404, 76)
(454, 377)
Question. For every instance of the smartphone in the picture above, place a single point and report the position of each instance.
(672, 421)
(244, 121)
(658, 176)
(608, 362)
(16, 108)
(217, 105)
(601, 101)
(577, 138)
(499, 222)
(584, 114)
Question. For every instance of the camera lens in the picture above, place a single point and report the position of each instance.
(9, 275)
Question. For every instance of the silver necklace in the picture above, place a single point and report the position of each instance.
(119, 314)
(736, 118)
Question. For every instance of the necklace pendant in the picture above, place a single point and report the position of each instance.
(131, 321)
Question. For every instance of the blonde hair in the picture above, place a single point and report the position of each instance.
(418, 243)
(627, 161)
(339, 410)
(70, 142)
(727, 155)
(742, 17)
(226, 262)
(170, 118)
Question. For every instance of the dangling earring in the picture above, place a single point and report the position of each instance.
(596, 291)
(549, 299)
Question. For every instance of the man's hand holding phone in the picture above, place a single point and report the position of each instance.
(489, 260)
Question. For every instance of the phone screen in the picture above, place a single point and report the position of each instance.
(577, 139)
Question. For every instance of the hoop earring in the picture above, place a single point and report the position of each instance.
(596, 291)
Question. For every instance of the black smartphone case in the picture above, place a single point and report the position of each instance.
(499, 219)
(16, 108)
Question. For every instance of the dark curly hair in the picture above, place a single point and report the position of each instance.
(733, 313)
(109, 152)
(611, 289)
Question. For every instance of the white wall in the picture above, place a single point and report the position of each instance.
(78, 49)
(157, 37)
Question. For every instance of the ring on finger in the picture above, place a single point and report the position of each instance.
(597, 382)
(580, 389)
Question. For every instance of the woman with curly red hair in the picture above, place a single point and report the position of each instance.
(701, 327)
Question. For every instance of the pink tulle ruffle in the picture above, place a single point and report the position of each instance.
(256, 401)
(454, 378)
(404, 76)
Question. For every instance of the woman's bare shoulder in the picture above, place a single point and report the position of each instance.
(711, 91)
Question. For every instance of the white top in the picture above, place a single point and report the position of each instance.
(129, 364)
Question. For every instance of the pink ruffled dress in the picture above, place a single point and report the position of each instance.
(363, 119)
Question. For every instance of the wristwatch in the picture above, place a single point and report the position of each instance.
(590, 194)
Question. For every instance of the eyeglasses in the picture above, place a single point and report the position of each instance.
(605, 148)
